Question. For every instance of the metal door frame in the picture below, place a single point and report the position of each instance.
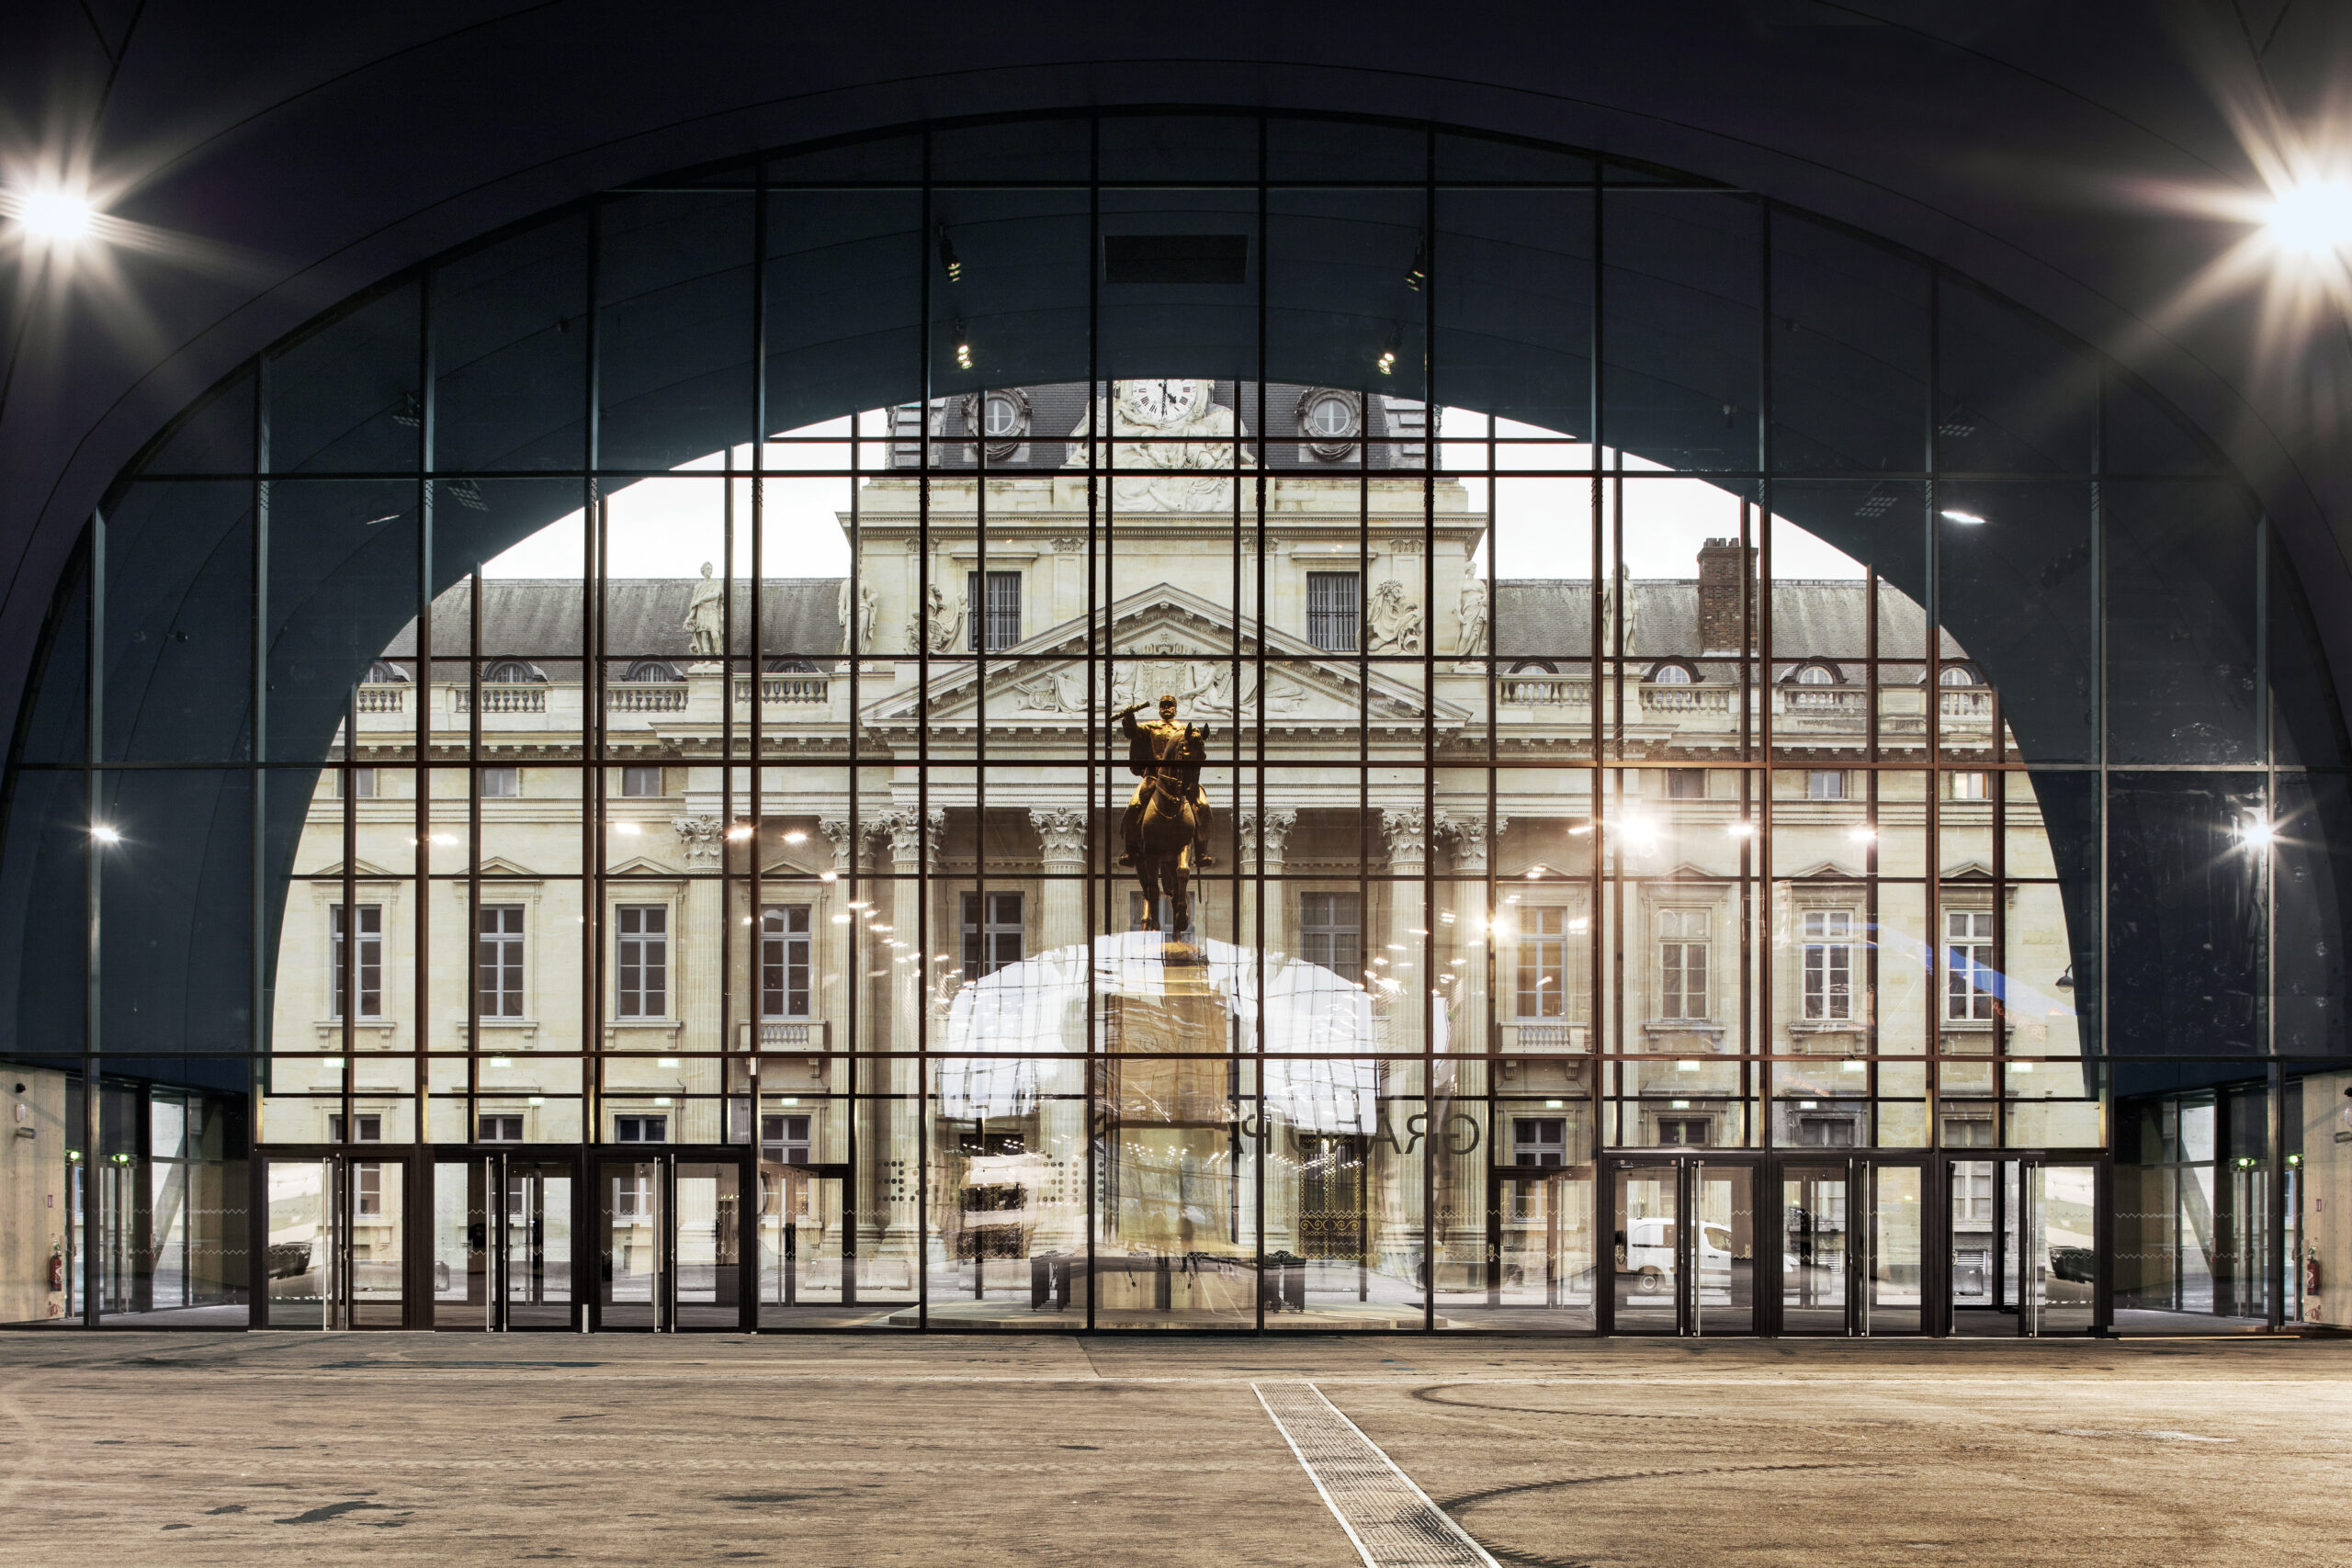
(338, 1307)
(1764, 1207)
(2009, 1259)
(668, 1158)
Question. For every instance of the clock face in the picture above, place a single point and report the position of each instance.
(1164, 402)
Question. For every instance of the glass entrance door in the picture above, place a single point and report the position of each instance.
(2023, 1245)
(669, 1229)
(1683, 1235)
(1816, 1276)
(334, 1253)
(501, 1242)
(807, 1249)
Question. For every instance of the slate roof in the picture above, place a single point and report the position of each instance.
(541, 620)
(1816, 619)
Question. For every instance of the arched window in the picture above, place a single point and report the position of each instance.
(1957, 675)
(1817, 675)
(653, 669)
(1672, 675)
(1532, 667)
(382, 673)
(514, 671)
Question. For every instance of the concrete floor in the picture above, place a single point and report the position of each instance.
(871, 1450)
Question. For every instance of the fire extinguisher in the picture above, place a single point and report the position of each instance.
(2311, 1273)
(56, 1270)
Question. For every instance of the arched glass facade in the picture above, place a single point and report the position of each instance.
(1749, 786)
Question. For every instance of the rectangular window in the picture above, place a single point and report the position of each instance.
(1683, 1131)
(641, 942)
(502, 784)
(1682, 963)
(784, 961)
(370, 978)
(370, 1125)
(363, 782)
(501, 1130)
(640, 1129)
(1970, 978)
(1965, 1131)
(367, 1188)
(1333, 603)
(996, 613)
(784, 1140)
(1828, 964)
(640, 783)
(1544, 968)
(498, 960)
(1825, 1132)
(1825, 784)
(1539, 1140)
(1330, 932)
(990, 944)
(1686, 783)
(1965, 786)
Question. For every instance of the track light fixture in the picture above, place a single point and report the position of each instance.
(948, 259)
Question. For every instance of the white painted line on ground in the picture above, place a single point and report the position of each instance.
(1391, 1521)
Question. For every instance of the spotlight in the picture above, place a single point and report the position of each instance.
(949, 258)
(1741, 829)
(1387, 363)
(1968, 519)
(740, 831)
(796, 837)
(2257, 834)
(963, 347)
(1419, 273)
(57, 216)
(105, 833)
(2312, 219)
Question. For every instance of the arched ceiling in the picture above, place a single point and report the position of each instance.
(295, 154)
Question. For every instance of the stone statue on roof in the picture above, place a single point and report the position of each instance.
(705, 619)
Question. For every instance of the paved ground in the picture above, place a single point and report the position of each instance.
(329, 1449)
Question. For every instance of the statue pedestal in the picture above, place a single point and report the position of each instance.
(1147, 1081)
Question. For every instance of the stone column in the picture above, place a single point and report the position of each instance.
(1061, 1124)
(1401, 1018)
(1461, 1204)
(1268, 834)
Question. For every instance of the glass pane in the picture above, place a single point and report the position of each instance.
(538, 1272)
(710, 1246)
(1813, 1249)
(633, 1281)
(1897, 1226)
(1724, 1249)
(300, 1263)
(1646, 1233)
(2060, 1263)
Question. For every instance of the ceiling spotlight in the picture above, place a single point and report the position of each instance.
(105, 833)
(57, 216)
(1952, 515)
(796, 837)
(1741, 829)
(949, 258)
(1419, 273)
(1387, 363)
(2312, 219)
(2257, 834)
(963, 347)
(740, 831)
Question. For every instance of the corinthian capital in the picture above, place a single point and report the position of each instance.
(845, 848)
(1469, 837)
(1271, 828)
(1407, 831)
(1061, 834)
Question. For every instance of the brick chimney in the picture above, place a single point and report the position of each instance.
(1720, 581)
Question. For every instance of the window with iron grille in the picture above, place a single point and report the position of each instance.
(499, 961)
(990, 944)
(998, 612)
(1828, 964)
(1682, 963)
(642, 933)
(1330, 932)
(1970, 974)
(784, 961)
(784, 1140)
(1334, 601)
(1540, 1140)
(370, 978)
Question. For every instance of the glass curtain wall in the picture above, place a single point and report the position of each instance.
(1700, 747)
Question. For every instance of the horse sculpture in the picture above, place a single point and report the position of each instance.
(1168, 819)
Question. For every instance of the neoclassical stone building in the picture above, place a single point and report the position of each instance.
(1508, 869)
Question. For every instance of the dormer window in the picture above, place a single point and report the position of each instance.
(1673, 675)
(653, 672)
(513, 672)
(1818, 675)
(1957, 675)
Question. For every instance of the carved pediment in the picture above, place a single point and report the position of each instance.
(1167, 642)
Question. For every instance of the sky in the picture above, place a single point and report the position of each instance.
(668, 527)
